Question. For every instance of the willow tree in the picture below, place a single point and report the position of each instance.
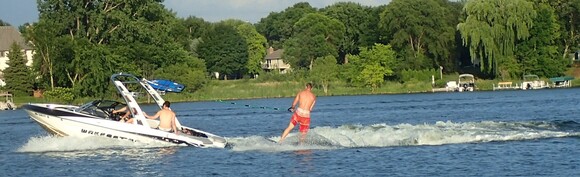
(491, 30)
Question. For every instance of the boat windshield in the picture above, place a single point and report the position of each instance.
(7, 96)
(531, 78)
(466, 78)
(100, 108)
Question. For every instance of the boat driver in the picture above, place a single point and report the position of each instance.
(125, 117)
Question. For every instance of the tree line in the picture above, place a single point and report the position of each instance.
(79, 44)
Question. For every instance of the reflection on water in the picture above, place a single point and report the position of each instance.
(164, 151)
(140, 154)
(304, 162)
(305, 155)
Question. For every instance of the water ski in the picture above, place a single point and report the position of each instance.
(271, 140)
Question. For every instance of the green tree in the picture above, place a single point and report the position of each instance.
(358, 23)
(539, 54)
(47, 47)
(278, 27)
(316, 36)
(372, 35)
(80, 43)
(456, 49)
(568, 12)
(324, 71)
(17, 74)
(224, 51)
(420, 29)
(371, 66)
(193, 28)
(3, 23)
(256, 45)
(492, 28)
(192, 79)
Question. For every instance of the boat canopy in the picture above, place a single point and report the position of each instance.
(561, 79)
(531, 77)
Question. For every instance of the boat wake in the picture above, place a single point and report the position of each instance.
(384, 135)
(345, 136)
(45, 144)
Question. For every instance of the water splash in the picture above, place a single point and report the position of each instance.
(69, 144)
(258, 143)
(384, 135)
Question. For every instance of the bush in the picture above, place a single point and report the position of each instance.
(60, 94)
(296, 75)
(440, 84)
(420, 75)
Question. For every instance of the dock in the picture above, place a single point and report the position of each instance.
(446, 89)
(506, 86)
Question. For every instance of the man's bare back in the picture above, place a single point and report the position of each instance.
(305, 99)
(166, 118)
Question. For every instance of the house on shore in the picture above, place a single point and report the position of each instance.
(274, 61)
(8, 36)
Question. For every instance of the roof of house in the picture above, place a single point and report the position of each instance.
(9, 35)
(277, 54)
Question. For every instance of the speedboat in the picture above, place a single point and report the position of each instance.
(96, 118)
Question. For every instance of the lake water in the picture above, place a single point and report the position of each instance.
(495, 133)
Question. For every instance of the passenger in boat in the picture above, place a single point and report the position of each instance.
(125, 117)
(166, 118)
(306, 100)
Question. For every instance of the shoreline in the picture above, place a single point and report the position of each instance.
(243, 90)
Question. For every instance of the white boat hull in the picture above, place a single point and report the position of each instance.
(63, 122)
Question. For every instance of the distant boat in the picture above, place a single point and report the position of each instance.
(8, 104)
(166, 85)
(532, 82)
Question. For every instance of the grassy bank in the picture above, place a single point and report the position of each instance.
(248, 89)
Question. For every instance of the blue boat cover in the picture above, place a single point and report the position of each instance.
(166, 85)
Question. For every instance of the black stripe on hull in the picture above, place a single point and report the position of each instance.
(54, 112)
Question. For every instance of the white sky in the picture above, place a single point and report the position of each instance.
(246, 10)
(18, 12)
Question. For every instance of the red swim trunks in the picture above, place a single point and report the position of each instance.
(304, 122)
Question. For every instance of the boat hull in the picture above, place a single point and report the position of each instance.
(65, 122)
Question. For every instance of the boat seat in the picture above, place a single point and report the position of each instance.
(153, 123)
